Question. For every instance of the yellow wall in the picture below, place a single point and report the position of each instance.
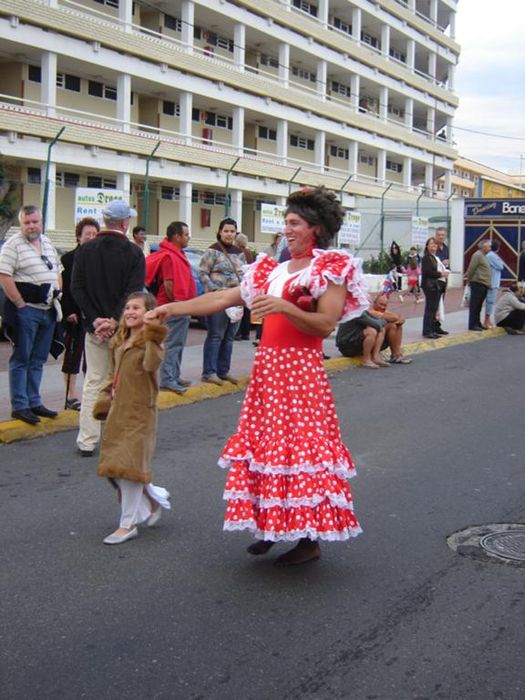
(11, 79)
(495, 189)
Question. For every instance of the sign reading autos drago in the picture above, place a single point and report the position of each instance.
(90, 201)
(502, 220)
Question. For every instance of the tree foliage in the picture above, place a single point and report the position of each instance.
(7, 200)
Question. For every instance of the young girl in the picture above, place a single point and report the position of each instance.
(413, 271)
(129, 403)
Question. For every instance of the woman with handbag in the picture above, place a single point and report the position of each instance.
(433, 281)
(288, 467)
(221, 268)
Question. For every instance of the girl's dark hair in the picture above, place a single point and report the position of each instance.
(395, 247)
(86, 221)
(223, 223)
(123, 332)
(318, 207)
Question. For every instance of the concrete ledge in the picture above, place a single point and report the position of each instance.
(15, 430)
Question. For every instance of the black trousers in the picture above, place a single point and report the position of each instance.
(516, 320)
(432, 298)
(478, 292)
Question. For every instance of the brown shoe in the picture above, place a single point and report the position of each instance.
(229, 378)
(306, 550)
(212, 379)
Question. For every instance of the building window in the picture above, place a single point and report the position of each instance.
(34, 74)
(338, 152)
(305, 7)
(195, 114)
(340, 88)
(97, 89)
(167, 192)
(173, 23)
(398, 55)
(342, 26)
(369, 39)
(301, 142)
(266, 133)
(64, 179)
(68, 82)
(170, 108)
(395, 167)
(366, 159)
(34, 176)
(397, 111)
(101, 182)
(269, 61)
(304, 74)
(108, 3)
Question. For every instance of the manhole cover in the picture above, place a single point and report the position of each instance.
(496, 543)
(506, 545)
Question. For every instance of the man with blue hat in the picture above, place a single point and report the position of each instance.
(106, 271)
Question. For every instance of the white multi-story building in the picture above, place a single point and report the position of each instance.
(216, 106)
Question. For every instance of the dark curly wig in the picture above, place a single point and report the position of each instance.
(318, 207)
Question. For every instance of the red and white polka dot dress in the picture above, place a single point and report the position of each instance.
(288, 468)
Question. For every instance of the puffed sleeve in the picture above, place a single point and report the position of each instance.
(338, 267)
(255, 277)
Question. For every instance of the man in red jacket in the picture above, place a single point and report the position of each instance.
(175, 283)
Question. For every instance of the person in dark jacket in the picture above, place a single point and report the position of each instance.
(433, 278)
(86, 229)
(106, 271)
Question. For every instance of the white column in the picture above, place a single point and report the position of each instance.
(322, 75)
(409, 112)
(355, 87)
(381, 166)
(356, 23)
(411, 4)
(48, 86)
(429, 178)
(322, 12)
(188, 19)
(385, 40)
(238, 130)
(383, 103)
(51, 195)
(451, 76)
(185, 190)
(239, 45)
(452, 24)
(125, 13)
(411, 54)
(236, 207)
(448, 183)
(282, 140)
(448, 130)
(320, 149)
(185, 121)
(124, 100)
(407, 171)
(431, 120)
(432, 63)
(434, 11)
(284, 63)
(353, 153)
(123, 183)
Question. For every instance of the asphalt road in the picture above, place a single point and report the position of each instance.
(183, 612)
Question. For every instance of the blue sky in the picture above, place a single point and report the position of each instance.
(490, 82)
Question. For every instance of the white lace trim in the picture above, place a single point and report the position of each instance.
(311, 533)
(337, 500)
(341, 469)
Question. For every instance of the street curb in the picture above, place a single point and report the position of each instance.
(16, 430)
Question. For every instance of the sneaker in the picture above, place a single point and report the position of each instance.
(229, 378)
(212, 379)
(175, 387)
(184, 382)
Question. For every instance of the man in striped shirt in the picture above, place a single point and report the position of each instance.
(30, 276)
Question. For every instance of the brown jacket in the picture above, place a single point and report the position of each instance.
(130, 432)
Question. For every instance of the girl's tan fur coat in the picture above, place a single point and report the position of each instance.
(130, 432)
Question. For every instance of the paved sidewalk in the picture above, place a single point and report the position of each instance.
(53, 385)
